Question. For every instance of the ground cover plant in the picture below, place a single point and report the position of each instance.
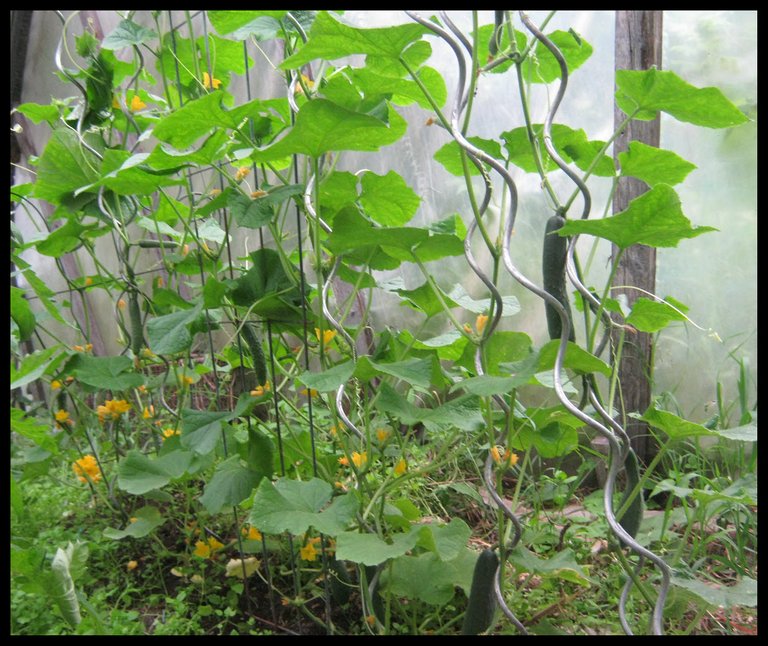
(255, 457)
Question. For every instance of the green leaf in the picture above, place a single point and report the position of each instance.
(295, 506)
(22, 313)
(387, 199)
(654, 165)
(322, 126)
(44, 293)
(126, 34)
(148, 519)
(487, 385)
(509, 304)
(230, 485)
(66, 165)
(562, 566)
(38, 113)
(254, 213)
(651, 316)
(551, 441)
(201, 429)
(449, 155)
(654, 219)
(415, 371)
(337, 190)
(422, 298)
(446, 541)
(66, 238)
(110, 373)
(187, 124)
(651, 91)
(675, 427)
(572, 145)
(330, 39)
(138, 474)
(34, 365)
(330, 379)
(576, 358)
(426, 578)
(240, 25)
(33, 430)
(353, 233)
(745, 433)
(369, 549)
(501, 347)
(544, 68)
(171, 333)
(63, 589)
(127, 174)
(744, 593)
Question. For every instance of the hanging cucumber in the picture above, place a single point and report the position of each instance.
(257, 352)
(482, 601)
(553, 269)
(630, 520)
(134, 314)
(498, 22)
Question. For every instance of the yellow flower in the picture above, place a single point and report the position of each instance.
(311, 392)
(214, 192)
(149, 412)
(382, 434)
(142, 388)
(205, 549)
(62, 417)
(371, 620)
(88, 281)
(86, 468)
(327, 335)
(255, 194)
(495, 454)
(209, 83)
(78, 348)
(160, 281)
(401, 467)
(359, 458)
(112, 408)
(308, 552)
(170, 432)
(513, 458)
(480, 322)
(137, 103)
(429, 122)
(241, 173)
(115, 102)
(468, 328)
(121, 304)
(147, 353)
(131, 565)
(260, 390)
(309, 83)
(344, 461)
(251, 533)
(508, 459)
(185, 249)
(55, 384)
(186, 380)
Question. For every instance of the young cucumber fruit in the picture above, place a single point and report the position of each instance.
(553, 271)
(257, 353)
(482, 600)
(630, 520)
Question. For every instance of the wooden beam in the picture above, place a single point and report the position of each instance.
(637, 47)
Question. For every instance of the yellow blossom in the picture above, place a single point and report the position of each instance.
(115, 102)
(382, 434)
(371, 620)
(308, 552)
(113, 408)
(260, 390)
(205, 549)
(344, 461)
(149, 412)
(147, 353)
(62, 417)
(401, 467)
(137, 103)
(429, 122)
(311, 392)
(214, 192)
(185, 249)
(88, 281)
(307, 81)
(142, 388)
(255, 194)
(468, 328)
(480, 322)
(121, 304)
(131, 565)
(159, 281)
(170, 432)
(241, 173)
(327, 335)
(55, 384)
(186, 380)
(209, 83)
(86, 468)
(133, 519)
(359, 458)
(251, 533)
(78, 348)
(508, 458)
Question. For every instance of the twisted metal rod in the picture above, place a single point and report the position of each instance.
(458, 107)
(618, 451)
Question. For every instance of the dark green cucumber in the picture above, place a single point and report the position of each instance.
(493, 44)
(482, 599)
(339, 582)
(257, 353)
(553, 271)
(630, 520)
(158, 244)
(134, 314)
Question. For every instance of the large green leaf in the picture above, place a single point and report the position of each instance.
(551, 441)
(562, 565)
(254, 213)
(645, 93)
(240, 24)
(173, 333)
(34, 365)
(147, 519)
(232, 483)
(33, 430)
(330, 39)
(201, 429)
(415, 371)
(403, 91)
(654, 219)
(426, 578)
(388, 199)
(576, 358)
(68, 237)
(651, 316)
(126, 34)
(675, 427)
(449, 155)
(127, 174)
(329, 379)
(322, 126)
(66, 165)
(543, 66)
(139, 474)
(294, 506)
(744, 593)
(654, 165)
(22, 313)
(110, 373)
(369, 549)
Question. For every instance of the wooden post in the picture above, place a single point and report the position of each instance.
(637, 47)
